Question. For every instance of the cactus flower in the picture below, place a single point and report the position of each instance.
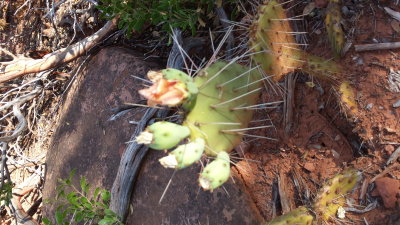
(165, 92)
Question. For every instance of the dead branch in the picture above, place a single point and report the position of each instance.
(377, 46)
(22, 66)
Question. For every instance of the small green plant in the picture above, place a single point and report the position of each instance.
(77, 205)
(6, 193)
(135, 14)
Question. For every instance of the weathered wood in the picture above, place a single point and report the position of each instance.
(377, 46)
(22, 66)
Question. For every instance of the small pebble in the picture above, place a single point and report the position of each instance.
(369, 106)
(396, 104)
(389, 149)
(341, 213)
(345, 10)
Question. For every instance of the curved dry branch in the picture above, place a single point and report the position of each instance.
(18, 67)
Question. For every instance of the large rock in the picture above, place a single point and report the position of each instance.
(86, 141)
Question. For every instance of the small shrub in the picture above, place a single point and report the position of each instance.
(78, 205)
(184, 14)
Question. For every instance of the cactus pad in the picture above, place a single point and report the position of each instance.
(333, 27)
(271, 38)
(299, 216)
(347, 97)
(331, 196)
(218, 116)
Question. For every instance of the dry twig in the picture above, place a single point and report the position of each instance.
(22, 66)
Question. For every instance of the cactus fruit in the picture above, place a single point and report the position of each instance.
(184, 155)
(331, 196)
(333, 27)
(216, 173)
(163, 135)
(299, 216)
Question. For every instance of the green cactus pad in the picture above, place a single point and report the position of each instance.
(217, 116)
(216, 173)
(272, 39)
(332, 194)
(299, 216)
(184, 155)
(333, 27)
(163, 135)
(321, 68)
(276, 51)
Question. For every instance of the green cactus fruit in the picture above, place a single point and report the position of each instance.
(163, 135)
(333, 27)
(331, 196)
(272, 40)
(216, 173)
(184, 155)
(299, 216)
(220, 115)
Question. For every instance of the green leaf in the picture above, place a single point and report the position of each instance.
(96, 193)
(46, 221)
(105, 196)
(84, 185)
(79, 216)
(109, 212)
(59, 217)
(106, 221)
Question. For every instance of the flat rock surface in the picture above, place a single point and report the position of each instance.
(86, 141)
(184, 202)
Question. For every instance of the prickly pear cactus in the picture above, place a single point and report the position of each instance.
(299, 216)
(218, 104)
(332, 195)
(330, 198)
(272, 41)
(333, 27)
